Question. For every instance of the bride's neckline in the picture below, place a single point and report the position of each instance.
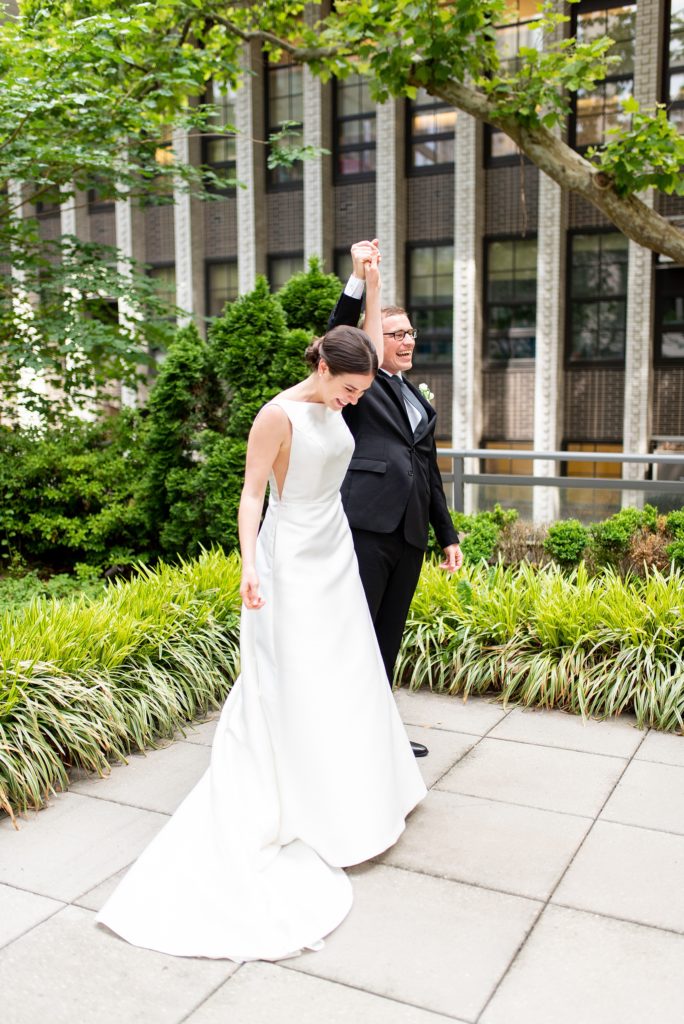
(299, 401)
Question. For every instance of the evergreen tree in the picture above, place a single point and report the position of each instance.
(255, 354)
(309, 298)
(185, 401)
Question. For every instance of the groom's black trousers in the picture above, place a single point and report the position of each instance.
(389, 569)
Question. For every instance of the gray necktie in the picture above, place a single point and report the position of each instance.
(411, 400)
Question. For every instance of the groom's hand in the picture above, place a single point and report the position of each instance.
(453, 559)
(362, 253)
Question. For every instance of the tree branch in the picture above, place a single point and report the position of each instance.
(571, 171)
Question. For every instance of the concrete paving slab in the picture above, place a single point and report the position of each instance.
(426, 941)
(157, 781)
(267, 994)
(445, 750)
(202, 732)
(476, 715)
(21, 910)
(665, 747)
(650, 795)
(578, 968)
(554, 780)
(618, 737)
(69, 969)
(73, 844)
(513, 849)
(628, 872)
(96, 897)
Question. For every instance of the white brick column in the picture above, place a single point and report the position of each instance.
(246, 194)
(130, 240)
(390, 217)
(467, 362)
(314, 202)
(182, 232)
(548, 374)
(636, 430)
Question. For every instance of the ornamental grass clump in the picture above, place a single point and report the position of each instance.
(596, 645)
(85, 682)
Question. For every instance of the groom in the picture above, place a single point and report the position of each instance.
(393, 488)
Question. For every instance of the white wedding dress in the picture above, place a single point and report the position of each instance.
(311, 769)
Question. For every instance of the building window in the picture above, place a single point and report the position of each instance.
(431, 300)
(164, 276)
(669, 313)
(516, 31)
(354, 128)
(218, 149)
(510, 298)
(282, 268)
(431, 125)
(342, 264)
(600, 109)
(285, 103)
(222, 285)
(597, 297)
(674, 84)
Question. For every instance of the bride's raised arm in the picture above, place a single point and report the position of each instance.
(372, 321)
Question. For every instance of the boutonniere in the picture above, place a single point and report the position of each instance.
(425, 392)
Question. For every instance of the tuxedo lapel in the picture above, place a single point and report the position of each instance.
(423, 428)
(390, 388)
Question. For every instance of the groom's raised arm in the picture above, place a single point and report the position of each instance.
(348, 307)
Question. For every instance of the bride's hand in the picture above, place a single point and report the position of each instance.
(249, 590)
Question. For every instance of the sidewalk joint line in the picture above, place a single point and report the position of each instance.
(217, 988)
(547, 902)
(291, 966)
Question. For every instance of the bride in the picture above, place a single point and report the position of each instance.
(311, 769)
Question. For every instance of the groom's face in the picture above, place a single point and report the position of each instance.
(398, 357)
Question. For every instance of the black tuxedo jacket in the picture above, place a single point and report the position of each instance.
(393, 476)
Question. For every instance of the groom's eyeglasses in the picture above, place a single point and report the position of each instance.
(400, 335)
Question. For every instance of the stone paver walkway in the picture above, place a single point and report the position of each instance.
(540, 882)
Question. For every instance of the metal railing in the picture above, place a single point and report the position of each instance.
(458, 478)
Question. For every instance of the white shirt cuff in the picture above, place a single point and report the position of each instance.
(354, 287)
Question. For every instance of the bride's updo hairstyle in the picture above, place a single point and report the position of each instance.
(345, 350)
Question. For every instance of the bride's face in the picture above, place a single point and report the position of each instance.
(343, 388)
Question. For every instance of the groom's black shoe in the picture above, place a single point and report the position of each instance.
(419, 749)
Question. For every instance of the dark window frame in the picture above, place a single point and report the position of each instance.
(488, 361)
(413, 139)
(509, 159)
(289, 255)
(215, 262)
(661, 270)
(272, 185)
(669, 70)
(587, 7)
(427, 360)
(340, 178)
(569, 361)
(217, 165)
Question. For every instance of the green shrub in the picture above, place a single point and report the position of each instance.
(479, 543)
(479, 533)
(85, 682)
(21, 590)
(674, 523)
(255, 355)
(610, 539)
(309, 298)
(675, 551)
(566, 542)
(594, 645)
(71, 495)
